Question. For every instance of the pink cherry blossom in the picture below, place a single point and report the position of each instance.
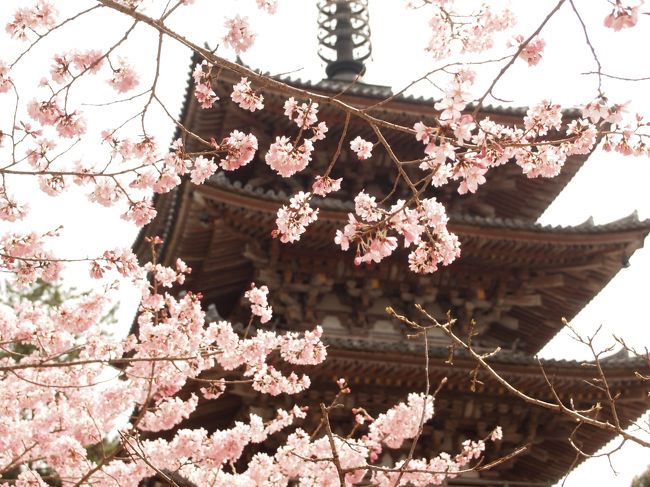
(303, 350)
(286, 159)
(71, 125)
(361, 147)
(292, 220)
(366, 207)
(543, 117)
(243, 95)
(423, 133)
(124, 78)
(205, 95)
(202, 169)
(319, 131)
(46, 113)
(497, 434)
(52, 185)
(169, 412)
(532, 53)
(457, 29)
(259, 304)
(239, 37)
(140, 212)
(203, 91)
(304, 114)
(622, 17)
(324, 185)
(240, 150)
(5, 80)
(269, 6)
(40, 16)
(91, 60)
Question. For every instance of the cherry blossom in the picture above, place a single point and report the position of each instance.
(292, 220)
(622, 17)
(203, 92)
(243, 95)
(239, 36)
(455, 29)
(40, 16)
(361, 147)
(240, 149)
(270, 6)
(304, 114)
(125, 78)
(73, 385)
(532, 52)
(202, 169)
(324, 185)
(286, 159)
(5, 80)
(259, 304)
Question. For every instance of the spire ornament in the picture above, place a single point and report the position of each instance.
(344, 37)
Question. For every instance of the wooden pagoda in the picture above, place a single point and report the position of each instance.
(516, 279)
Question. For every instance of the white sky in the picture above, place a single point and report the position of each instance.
(608, 187)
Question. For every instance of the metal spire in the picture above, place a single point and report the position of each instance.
(344, 37)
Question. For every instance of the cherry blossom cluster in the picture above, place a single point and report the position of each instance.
(243, 95)
(287, 157)
(10, 209)
(532, 52)
(172, 345)
(269, 6)
(125, 77)
(461, 149)
(145, 166)
(232, 352)
(25, 256)
(41, 16)
(457, 95)
(371, 230)
(624, 133)
(323, 185)
(623, 16)
(362, 148)
(239, 36)
(304, 115)
(239, 149)
(454, 29)
(5, 79)
(203, 92)
(52, 413)
(74, 63)
(49, 112)
(259, 304)
(400, 423)
(203, 458)
(292, 220)
(124, 262)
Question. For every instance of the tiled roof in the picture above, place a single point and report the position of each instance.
(505, 357)
(630, 222)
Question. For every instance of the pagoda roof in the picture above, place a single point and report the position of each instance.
(507, 193)
(464, 409)
(516, 278)
(461, 404)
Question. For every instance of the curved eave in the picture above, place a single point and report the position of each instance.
(502, 198)
(551, 454)
(628, 230)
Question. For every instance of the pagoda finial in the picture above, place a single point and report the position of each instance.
(344, 37)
